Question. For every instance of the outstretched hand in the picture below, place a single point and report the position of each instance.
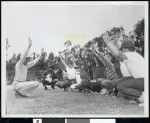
(30, 42)
(42, 51)
(106, 38)
(94, 47)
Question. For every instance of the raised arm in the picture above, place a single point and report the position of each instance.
(94, 57)
(63, 61)
(100, 57)
(100, 61)
(115, 51)
(24, 55)
(32, 63)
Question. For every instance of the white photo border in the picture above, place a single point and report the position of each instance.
(146, 79)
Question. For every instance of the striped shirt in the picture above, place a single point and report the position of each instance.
(110, 72)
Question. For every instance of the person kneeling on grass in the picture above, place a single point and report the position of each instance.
(132, 88)
(22, 87)
(49, 78)
(70, 72)
(77, 85)
(61, 81)
(109, 73)
(85, 78)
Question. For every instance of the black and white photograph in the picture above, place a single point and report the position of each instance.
(74, 59)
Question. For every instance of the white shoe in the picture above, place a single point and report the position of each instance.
(132, 101)
(103, 91)
(141, 104)
(141, 98)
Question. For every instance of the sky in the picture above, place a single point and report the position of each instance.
(50, 25)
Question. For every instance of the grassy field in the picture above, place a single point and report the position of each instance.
(73, 103)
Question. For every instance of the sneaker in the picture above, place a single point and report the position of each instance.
(87, 91)
(104, 91)
(52, 86)
(110, 92)
(140, 99)
(141, 104)
(126, 98)
(113, 94)
(45, 88)
(132, 101)
(22, 95)
(19, 95)
(65, 89)
(135, 101)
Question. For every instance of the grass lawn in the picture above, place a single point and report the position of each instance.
(73, 103)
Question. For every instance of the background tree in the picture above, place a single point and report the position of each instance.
(51, 59)
(139, 34)
(67, 44)
(7, 47)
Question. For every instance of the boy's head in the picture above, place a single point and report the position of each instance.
(77, 68)
(79, 65)
(127, 46)
(72, 51)
(70, 65)
(84, 53)
(70, 62)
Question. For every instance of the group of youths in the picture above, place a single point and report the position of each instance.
(88, 70)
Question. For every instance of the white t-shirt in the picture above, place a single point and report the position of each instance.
(124, 70)
(20, 72)
(71, 73)
(78, 78)
(48, 78)
(135, 64)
